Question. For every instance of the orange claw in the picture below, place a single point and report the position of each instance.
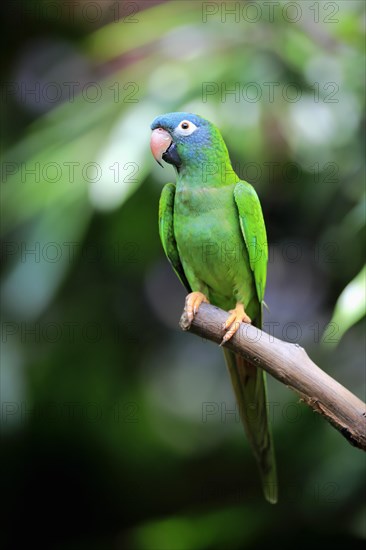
(193, 302)
(232, 323)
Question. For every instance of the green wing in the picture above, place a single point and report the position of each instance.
(249, 382)
(254, 233)
(166, 231)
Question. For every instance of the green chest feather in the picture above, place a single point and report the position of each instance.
(210, 242)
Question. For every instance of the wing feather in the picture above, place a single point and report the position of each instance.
(166, 232)
(254, 233)
(249, 382)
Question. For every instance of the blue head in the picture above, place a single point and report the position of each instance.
(185, 140)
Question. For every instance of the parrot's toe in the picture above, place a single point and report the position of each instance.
(193, 302)
(232, 323)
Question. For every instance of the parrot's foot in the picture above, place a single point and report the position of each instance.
(193, 302)
(232, 323)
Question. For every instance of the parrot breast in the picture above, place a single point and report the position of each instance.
(210, 244)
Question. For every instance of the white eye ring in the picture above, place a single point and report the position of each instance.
(185, 128)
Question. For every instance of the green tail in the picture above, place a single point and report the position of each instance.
(250, 389)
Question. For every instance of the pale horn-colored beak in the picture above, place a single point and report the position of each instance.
(159, 143)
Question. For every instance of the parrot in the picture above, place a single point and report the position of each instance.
(213, 233)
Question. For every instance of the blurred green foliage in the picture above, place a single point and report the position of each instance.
(118, 430)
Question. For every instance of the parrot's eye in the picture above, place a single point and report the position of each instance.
(185, 128)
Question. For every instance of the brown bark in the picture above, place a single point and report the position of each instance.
(290, 364)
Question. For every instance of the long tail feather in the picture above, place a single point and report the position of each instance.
(249, 385)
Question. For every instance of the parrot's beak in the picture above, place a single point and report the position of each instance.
(159, 143)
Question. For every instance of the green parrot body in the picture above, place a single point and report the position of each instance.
(211, 247)
(213, 233)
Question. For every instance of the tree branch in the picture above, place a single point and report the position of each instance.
(290, 364)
